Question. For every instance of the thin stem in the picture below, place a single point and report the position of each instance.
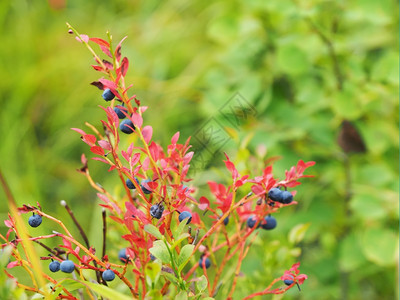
(103, 215)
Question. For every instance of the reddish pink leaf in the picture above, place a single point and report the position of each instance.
(13, 264)
(108, 64)
(117, 52)
(152, 185)
(79, 131)
(100, 42)
(111, 168)
(147, 133)
(8, 223)
(257, 190)
(98, 84)
(100, 159)
(188, 157)
(137, 120)
(154, 151)
(97, 150)
(105, 145)
(83, 37)
(145, 164)
(204, 203)
(108, 83)
(97, 68)
(175, 138)
(124, 66)
(106, 51)
(135, 159)
(89, 139)
(116, 219)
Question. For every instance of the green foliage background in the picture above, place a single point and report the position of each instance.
(303, 65)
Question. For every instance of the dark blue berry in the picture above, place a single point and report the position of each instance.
(185, 215)
(67, 266)
(270, 223)
(287, 197)
(288, 279)
(226, 221)
(206, 262)
(35, 220)
(123, 126)
(156, 211)
(119, 110)
(251, 221)
(122, 255)
(275, 194)
(54, 266)
(108, 275)
(130, 184)
(152, 257)
(146, 191)
(108, 95)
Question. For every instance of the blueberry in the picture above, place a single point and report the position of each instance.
(35, 220)
(184, 215)
(287, 197)
(251, 221)
(226, 221)
(108, 95)
(123, 126)
(54, 266)
(108, 275)
(206, 262)
(156, 211)
(270, 223)
(119, 110)
(275, 194)
(152, 257)
(67, 266)
(122, 255)
(130, 184)
(146, 191)
(288, 280)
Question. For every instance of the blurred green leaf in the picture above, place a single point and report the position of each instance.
(297, 233)
(380, 246)
(152, 271)
(351, 254)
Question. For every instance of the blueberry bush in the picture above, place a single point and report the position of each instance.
(304, 66)
(160, 247)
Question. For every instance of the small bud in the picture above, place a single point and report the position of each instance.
(63, 203)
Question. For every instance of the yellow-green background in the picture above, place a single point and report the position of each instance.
(187, 58)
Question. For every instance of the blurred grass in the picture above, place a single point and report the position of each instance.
(187, 60)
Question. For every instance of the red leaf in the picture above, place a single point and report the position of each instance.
(175, 138)
(97, 150)
(106, 51)
(108, 65)
(100, 159)
(100, 42)
(147, 133)
(105, 145)
(188, 157)
(89, 139)
(83, 37)
(124, 66)
(79, 131)
(116, 219)
(134, 160)
(257, 190)
(108, 83)
(13, 264)
(8, 223)
(204, 203)
(97, 68)
(117, 52)
(137, 120)
(111, 168)
(98, 84)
